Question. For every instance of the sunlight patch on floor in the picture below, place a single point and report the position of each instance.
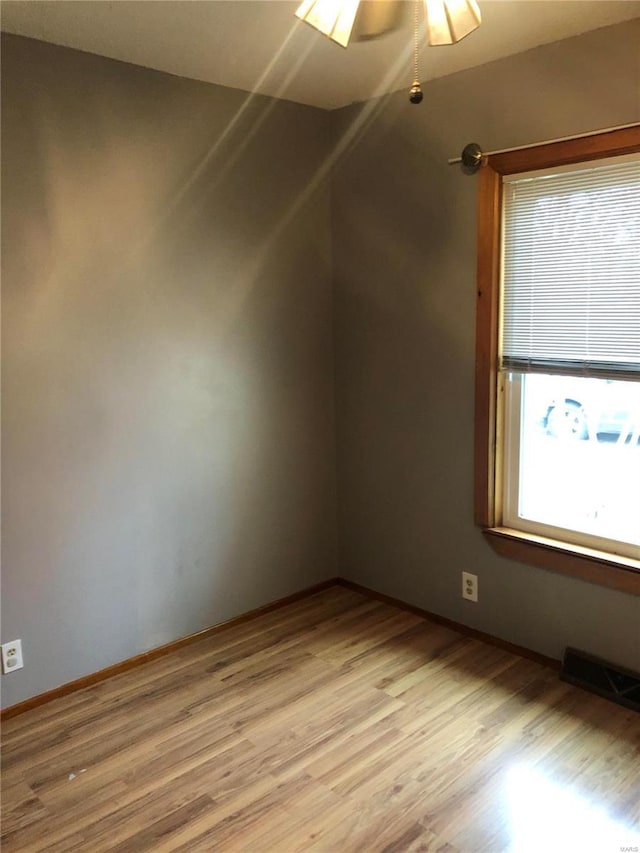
(546, 816)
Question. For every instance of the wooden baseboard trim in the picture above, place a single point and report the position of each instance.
(454, 626)
(160, 651)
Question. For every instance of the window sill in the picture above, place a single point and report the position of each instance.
(611, 570)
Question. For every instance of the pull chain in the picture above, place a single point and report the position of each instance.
(415, 94)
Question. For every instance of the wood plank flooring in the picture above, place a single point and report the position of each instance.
(337, 723)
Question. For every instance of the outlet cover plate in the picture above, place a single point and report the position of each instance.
(12, 656)
(469, 586)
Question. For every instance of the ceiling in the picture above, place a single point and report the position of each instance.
(261, 46)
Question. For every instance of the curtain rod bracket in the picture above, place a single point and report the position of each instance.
(471, 157)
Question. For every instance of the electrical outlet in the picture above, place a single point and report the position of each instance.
(469, 586)
(12, 656)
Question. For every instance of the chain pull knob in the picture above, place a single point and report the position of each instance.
(415, 94)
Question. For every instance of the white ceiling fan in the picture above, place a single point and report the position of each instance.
(447, 21)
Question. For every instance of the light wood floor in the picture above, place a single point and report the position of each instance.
(334, 724)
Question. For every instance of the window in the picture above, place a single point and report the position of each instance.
(558, 356)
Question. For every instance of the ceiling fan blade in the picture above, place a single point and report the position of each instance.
(375, 18)
(333, 18)
(449, 21)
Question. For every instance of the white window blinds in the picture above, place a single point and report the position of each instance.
(571, 275)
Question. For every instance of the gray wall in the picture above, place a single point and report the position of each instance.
(168, 433)
(168, 373)
(404, 240)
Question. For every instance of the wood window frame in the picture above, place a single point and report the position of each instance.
(598, 567)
